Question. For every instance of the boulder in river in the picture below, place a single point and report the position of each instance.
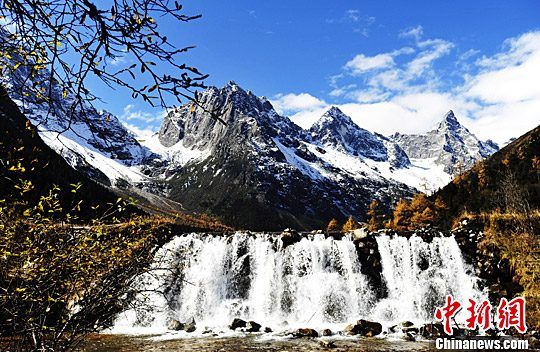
(409, 337)
(364, 327)
(306, 332)
(267, 329)
(237, 323)
(406, 324)
(352, 329)
(188, 326)
(289, 237)
(327, 332)
(432, 330)
(252, 326)
(327, 344)
(175, 325)
(369, 328)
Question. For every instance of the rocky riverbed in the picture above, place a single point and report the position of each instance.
(260, 343)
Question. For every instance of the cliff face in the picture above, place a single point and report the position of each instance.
(261, 171)
(450, 144)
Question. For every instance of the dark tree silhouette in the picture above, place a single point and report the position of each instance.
(58, 44)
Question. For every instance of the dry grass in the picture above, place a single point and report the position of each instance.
(518, 238)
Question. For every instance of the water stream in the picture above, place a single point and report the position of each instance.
(317, 282)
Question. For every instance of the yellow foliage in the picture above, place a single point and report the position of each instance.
(333, 225)
(516, 236)
(402, 215)
(350, 225)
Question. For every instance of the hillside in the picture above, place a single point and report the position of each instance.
(26, 158)
(507, 181)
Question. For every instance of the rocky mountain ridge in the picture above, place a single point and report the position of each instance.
(450, 144)
(259, 170)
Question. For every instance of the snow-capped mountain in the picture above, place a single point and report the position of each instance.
(450, 145)
(91, 141)
(336, 130)
(260, 170)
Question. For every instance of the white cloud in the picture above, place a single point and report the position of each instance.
(361, 23)
(140, 133)
(361, 63)
(353, 15)
(340, 91)
(433, 50)
(368, 95)
(414, 32)
(500, 99)
(129, 114)
(142, 123)
(509, 76)
(292, 103)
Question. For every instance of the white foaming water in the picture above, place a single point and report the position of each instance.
(418, 276)
(316, 282)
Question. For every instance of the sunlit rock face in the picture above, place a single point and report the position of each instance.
(450, 144)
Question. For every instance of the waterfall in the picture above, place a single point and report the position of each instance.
(418, 275)
(316, 282)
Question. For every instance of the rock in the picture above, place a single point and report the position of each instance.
(406, 324)
(252, 326)
(393, 329)
(267, 329)
(360, 233)
(432, 330)
(175, 325)
(306, 332)
(534, 342)
(369, 328)
(411, 329)
(190, 325)
(352, 329)
(409, 337)
(327, 332)
(289, 237)
(327, 344)
(237, 323)
(364, 328)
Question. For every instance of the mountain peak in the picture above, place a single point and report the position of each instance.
(450, 119)
(334, 110)
(334, 115)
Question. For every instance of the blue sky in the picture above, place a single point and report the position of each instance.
(391, 65)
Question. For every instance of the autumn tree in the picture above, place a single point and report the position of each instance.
(333, 225)
(483, 179)
(57, 46)
(402, 215)
(350, 225)
(423, 217)
(420, 215)
(376, 215)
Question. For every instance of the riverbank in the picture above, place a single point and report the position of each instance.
(121, 343)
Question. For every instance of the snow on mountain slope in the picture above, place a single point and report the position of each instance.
(337, 130)
(260, 163)
(450, 144)
(92, 141)
(259, 169)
